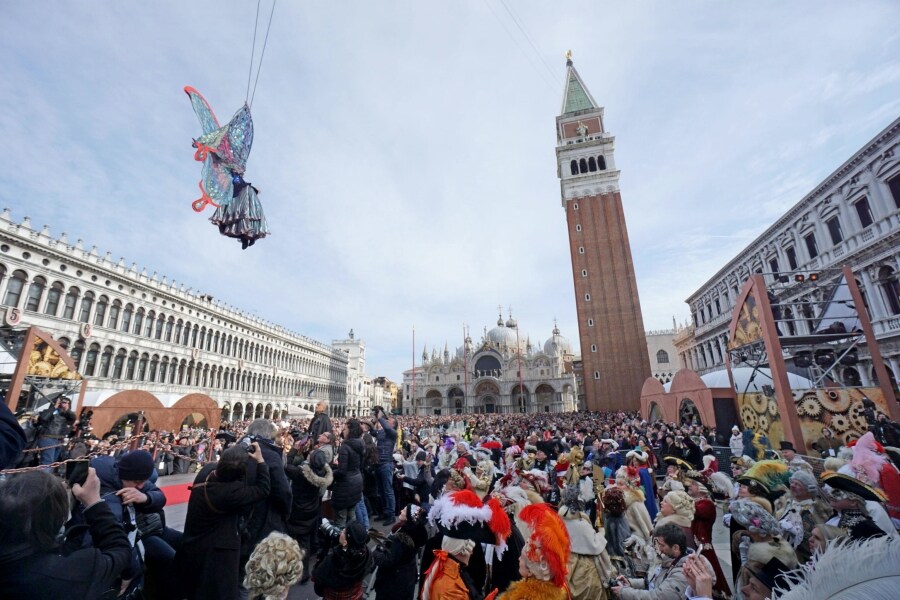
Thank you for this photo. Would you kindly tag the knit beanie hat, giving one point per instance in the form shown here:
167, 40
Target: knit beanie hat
357, 536
136, 465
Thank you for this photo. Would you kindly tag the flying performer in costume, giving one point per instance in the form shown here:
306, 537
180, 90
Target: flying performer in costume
224, 151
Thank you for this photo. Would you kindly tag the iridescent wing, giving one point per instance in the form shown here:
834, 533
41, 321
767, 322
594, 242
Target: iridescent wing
240, 137
215, 182
202, 109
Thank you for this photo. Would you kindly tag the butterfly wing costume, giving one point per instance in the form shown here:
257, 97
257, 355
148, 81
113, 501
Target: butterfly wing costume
224, 150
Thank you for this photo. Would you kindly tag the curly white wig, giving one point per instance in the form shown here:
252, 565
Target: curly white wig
275, 565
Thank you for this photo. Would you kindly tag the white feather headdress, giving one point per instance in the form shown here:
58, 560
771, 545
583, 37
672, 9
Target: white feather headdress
847, 570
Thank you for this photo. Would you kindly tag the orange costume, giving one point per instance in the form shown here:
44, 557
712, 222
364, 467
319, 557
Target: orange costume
531, 589
448, 583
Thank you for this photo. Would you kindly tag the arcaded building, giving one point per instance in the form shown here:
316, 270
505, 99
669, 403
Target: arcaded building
850, 218
144, 343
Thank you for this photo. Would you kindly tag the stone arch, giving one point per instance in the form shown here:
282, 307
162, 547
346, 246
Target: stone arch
520, 397
687, 410
544, 397
434, 399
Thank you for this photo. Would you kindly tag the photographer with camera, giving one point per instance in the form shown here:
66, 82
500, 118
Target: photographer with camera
346, 492
310, 477
209, 560
395, 556
385, 441
339, 576
271, 513
33, 508
56, 424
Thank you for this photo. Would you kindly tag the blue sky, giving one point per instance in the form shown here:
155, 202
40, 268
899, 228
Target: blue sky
405, 150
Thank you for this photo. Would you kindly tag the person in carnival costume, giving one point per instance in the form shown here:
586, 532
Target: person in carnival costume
870, 464
702, 527
544, 559
466, 523
589, 565
224, 150
638, 460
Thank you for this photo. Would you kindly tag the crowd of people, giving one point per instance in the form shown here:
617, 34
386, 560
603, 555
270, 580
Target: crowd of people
577, 505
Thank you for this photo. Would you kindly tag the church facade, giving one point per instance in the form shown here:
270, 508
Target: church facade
502, 373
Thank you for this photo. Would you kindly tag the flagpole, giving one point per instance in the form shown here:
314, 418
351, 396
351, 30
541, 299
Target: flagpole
413, 397
465, 370
519, 348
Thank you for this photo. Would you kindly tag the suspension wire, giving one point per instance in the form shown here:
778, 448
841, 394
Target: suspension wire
515, 40
252, 51
263, 53
518, 23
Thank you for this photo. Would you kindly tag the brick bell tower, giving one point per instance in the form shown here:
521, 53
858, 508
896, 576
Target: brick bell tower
610, 326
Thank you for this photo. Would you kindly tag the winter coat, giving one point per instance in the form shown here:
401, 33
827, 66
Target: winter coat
270, 514
86, 574
307, 488
341, 569
736, 443
208, 562
56, 423
397, 573
385, 441
12, 437
108, 474
421, 483
321, 423
346, 492
667, 582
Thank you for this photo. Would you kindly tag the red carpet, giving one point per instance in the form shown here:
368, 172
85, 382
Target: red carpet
176, 494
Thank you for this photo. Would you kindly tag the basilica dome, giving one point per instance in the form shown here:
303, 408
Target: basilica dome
502, 335
557, 344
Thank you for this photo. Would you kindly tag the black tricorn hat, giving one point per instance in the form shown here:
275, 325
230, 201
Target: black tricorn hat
786, 445
772, 574
477, 532
678, 462
854, 486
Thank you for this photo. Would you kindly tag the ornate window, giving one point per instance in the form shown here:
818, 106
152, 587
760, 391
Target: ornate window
126, 318
662, 357
86, 304
53, 297
100, 311
14, 289
890, 289
71, 302
35, 291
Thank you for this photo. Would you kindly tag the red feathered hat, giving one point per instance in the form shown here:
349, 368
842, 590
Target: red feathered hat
463, 514
549, 540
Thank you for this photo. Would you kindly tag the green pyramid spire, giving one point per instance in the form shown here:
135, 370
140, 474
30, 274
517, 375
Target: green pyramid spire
575, 97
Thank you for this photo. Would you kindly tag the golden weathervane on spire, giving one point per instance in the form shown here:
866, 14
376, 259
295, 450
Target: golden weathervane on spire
568, 55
